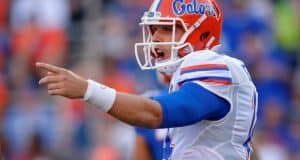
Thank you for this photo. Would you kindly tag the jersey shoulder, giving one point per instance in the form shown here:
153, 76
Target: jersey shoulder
201, 57
205, 66
238, 70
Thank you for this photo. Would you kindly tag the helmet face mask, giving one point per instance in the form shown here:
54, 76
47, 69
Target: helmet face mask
146, 53
197, 18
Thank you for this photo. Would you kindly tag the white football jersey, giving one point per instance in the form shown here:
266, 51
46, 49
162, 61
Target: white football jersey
228, 138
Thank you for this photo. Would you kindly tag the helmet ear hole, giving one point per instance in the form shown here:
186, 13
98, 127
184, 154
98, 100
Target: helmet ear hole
204, 36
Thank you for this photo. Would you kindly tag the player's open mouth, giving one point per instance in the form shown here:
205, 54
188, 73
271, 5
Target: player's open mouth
159, 54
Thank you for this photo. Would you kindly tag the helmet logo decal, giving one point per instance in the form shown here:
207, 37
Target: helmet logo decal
180, 8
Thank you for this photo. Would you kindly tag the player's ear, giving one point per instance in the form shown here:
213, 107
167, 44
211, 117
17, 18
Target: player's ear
204, 36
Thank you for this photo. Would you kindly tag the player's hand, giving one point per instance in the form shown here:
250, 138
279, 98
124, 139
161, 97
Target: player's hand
62, 82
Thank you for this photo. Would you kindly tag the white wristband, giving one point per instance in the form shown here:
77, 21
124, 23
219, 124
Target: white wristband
101, 96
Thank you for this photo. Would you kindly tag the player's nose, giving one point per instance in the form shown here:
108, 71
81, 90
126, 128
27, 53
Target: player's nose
156, 36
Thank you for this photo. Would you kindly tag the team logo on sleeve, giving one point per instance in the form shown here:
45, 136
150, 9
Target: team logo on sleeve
180, 8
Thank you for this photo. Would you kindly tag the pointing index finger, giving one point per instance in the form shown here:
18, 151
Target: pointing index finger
49, 67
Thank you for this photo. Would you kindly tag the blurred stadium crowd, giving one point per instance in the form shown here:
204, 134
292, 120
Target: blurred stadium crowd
95, 38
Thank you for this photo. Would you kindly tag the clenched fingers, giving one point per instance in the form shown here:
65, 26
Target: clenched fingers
62, 82
56, 92
52, 79
50, 73
54, 86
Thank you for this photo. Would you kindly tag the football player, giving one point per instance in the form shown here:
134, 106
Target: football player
211, 107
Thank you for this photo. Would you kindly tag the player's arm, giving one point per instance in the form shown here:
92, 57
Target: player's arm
132, 109
189, 105
137, 110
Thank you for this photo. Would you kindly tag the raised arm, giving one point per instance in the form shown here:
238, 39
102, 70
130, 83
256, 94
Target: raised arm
132, 109
190, 104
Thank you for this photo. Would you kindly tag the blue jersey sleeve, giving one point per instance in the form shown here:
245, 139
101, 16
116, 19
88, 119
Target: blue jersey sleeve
190, 104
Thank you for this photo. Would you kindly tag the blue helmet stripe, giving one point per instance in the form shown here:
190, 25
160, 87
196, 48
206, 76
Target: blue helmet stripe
157, 7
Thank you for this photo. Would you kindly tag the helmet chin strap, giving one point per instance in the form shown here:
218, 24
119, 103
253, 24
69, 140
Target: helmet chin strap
210, 42
169, 69
184, 49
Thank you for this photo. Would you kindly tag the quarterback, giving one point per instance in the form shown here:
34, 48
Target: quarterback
210, 110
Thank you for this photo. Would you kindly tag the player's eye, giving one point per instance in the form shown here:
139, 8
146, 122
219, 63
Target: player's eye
167, 28
153, 28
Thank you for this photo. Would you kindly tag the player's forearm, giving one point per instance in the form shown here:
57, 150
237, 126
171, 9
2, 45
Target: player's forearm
137, 110
132, 109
